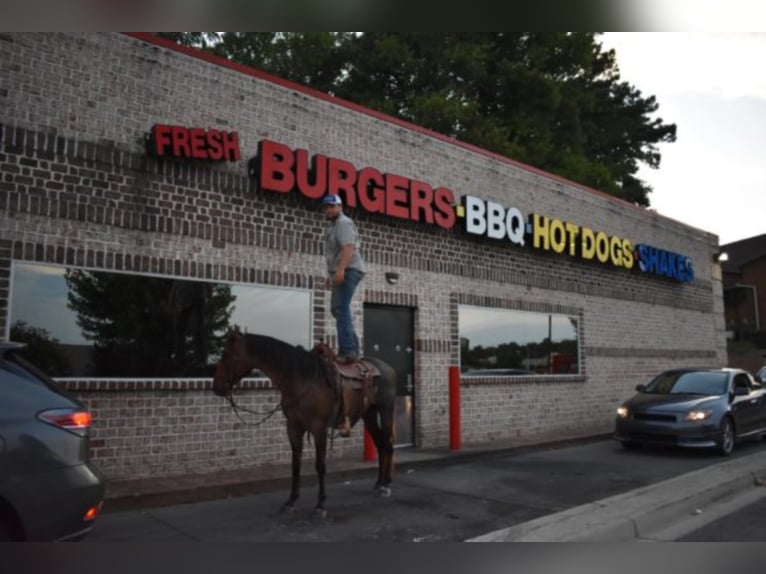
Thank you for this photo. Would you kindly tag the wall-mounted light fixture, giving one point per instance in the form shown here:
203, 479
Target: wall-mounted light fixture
392, 278
720, 256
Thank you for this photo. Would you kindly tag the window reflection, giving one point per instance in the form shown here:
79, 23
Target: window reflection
86, 323
502, 342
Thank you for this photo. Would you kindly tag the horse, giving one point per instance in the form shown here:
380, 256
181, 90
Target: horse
310, 385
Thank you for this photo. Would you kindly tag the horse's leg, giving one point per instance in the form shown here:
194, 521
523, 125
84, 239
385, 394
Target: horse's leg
295, 435
320, 442
387, 448
372, 426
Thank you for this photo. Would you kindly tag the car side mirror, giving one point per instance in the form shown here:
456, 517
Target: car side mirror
741, 391
640, 388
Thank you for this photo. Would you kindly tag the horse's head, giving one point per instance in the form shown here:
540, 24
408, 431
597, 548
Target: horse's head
233, 365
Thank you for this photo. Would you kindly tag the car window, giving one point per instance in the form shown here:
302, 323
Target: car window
742, 381
13, 363
684, 382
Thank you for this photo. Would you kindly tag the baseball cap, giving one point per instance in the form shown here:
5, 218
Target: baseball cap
332, 200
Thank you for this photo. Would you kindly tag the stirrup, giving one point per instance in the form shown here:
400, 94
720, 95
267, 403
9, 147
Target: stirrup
344, 429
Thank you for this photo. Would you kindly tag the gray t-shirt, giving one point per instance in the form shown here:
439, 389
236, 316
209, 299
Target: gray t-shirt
342, 232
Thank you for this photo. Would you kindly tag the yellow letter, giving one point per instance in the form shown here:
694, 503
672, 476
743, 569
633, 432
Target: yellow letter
541, 231
588, 243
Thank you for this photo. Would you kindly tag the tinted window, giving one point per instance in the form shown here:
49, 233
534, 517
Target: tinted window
518, 342
86, 323
697, 383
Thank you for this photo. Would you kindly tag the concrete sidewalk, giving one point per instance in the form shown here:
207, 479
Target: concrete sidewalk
665, 510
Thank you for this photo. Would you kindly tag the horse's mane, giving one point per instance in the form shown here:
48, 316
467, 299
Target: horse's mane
293, 361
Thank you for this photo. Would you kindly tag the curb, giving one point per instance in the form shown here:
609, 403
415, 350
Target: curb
639, 513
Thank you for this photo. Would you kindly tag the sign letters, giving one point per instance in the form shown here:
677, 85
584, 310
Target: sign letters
195, 143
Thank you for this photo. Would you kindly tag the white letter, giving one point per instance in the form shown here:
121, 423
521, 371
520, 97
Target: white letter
474, 215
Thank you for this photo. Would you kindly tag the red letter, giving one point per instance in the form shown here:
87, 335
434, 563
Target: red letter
274, 171
445, 213
396, 196
318, 172
197, 138
231, 146
342, 177
421, 199
161, 137
370, 189
214, 147
180, 142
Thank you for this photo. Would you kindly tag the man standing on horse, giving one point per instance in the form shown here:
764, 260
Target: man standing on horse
345, 270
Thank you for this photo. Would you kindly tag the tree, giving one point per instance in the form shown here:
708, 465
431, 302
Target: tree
149, 326
553, 100
42, 349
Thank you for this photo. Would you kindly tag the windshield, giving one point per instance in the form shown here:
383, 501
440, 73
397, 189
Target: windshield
694, 383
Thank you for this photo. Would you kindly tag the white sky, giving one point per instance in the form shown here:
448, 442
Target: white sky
712, 85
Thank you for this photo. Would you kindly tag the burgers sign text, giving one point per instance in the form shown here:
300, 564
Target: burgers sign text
278, 168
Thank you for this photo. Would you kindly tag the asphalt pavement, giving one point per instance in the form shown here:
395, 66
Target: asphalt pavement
589, 490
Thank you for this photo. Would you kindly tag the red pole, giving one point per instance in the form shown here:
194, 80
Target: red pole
454, 408
370, 452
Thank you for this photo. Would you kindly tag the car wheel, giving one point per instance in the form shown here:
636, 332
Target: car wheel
630, 445
726, 442
5, 529
10, 530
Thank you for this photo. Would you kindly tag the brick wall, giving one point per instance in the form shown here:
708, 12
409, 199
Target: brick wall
77, 189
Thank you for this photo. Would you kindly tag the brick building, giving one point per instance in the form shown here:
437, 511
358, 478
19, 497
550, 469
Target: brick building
744, 286
143, 180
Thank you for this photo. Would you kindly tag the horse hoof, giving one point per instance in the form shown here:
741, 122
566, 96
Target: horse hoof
384, 491
287, 508
320, 513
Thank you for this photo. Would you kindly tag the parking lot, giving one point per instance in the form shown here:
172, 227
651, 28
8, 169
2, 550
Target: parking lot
444, 500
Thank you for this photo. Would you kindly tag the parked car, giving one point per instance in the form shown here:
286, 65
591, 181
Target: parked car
49, 490
760, 375
701, 408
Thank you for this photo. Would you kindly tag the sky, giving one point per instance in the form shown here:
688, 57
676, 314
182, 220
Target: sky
712, 85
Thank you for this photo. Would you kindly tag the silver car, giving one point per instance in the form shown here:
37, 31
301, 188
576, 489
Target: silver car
49, 490
699, 408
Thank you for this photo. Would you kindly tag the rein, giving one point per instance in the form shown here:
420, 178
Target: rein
237, 408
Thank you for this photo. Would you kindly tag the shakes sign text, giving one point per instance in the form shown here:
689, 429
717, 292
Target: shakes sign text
281, 169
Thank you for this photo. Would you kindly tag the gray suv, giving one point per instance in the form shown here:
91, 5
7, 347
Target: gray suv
49, 490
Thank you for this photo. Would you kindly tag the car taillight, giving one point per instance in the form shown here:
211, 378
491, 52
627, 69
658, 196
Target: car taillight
76, 421
92, 512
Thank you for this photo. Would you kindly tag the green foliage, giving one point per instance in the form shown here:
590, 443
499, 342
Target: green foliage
149, 326
553, 100
42, 349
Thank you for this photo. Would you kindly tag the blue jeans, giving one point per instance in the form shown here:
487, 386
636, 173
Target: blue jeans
340, 307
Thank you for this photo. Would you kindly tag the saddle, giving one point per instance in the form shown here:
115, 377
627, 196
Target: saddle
357, 375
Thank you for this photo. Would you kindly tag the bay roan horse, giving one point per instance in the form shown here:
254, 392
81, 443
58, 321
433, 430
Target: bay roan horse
310, 400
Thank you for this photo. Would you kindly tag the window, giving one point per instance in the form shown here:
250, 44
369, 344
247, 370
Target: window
86, 323
508, 342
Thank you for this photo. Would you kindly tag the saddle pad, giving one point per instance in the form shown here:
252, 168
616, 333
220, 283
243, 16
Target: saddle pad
358, 370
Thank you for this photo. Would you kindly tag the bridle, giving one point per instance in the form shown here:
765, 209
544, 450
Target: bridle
231, 364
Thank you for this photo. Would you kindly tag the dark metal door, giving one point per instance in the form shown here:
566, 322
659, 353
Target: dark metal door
389, 335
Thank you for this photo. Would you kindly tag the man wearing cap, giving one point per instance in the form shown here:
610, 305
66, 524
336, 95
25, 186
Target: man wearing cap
345, 270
